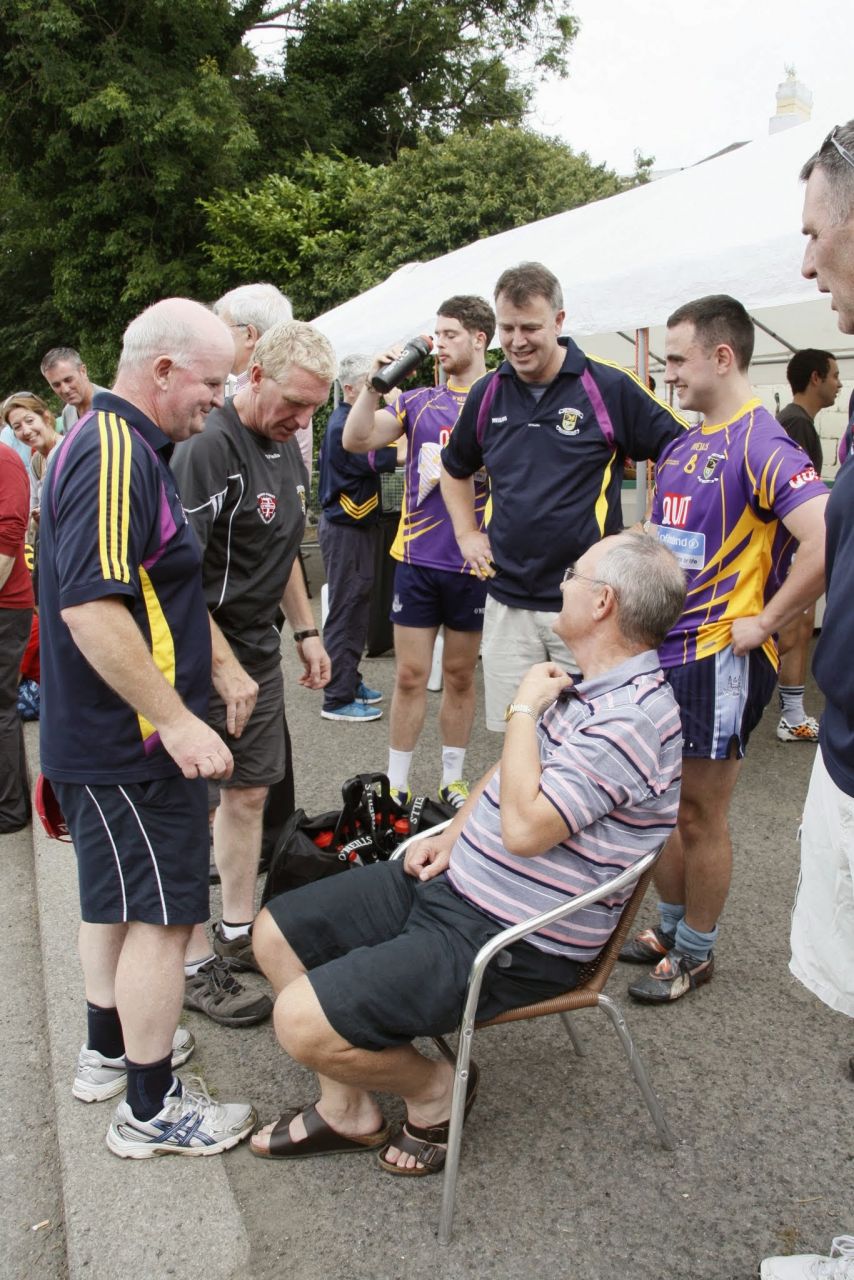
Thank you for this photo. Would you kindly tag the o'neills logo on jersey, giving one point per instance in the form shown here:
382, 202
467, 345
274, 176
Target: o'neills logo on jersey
267, 506
674, 510
569, 420
802, 478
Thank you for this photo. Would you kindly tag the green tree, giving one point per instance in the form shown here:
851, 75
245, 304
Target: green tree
367, 77
117, 117
337, 226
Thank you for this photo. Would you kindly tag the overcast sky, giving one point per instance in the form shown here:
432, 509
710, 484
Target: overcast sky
679, 79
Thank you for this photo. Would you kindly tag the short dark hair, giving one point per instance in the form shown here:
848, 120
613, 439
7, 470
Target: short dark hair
529, 280
838, 171
56, 354
717, 319
804, 364
474, 313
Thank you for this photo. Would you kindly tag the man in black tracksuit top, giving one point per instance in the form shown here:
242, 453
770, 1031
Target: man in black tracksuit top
350, 496
244, 492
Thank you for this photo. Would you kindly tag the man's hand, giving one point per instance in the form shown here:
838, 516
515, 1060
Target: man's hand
542, 684
475, 548
747, 634
317, 669
426, 858
238, 691
196, 749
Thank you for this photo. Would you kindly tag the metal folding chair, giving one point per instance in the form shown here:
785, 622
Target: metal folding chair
588, 994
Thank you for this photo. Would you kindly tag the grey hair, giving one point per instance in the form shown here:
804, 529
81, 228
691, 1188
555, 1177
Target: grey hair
57, 354
164, 330
294, 344
261, 305
353, 367
838, 171
648, 583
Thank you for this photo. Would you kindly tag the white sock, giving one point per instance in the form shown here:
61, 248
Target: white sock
193, 966
453, 760
399, 763
232, 931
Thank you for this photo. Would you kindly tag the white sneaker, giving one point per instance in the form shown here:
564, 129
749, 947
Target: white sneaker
814, 1266
99, 1078
807, 731
189, 1124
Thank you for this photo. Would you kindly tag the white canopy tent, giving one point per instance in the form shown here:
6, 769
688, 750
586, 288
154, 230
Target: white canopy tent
729, 225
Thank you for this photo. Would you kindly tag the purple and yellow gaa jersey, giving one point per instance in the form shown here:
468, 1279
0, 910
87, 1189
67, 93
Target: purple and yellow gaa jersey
720, 494
425, 535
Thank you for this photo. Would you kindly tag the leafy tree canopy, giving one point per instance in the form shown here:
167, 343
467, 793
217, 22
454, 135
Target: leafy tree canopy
367, 77
337, 226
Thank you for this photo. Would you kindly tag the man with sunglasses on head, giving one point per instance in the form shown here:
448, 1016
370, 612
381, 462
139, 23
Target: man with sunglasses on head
822, 937
730, 493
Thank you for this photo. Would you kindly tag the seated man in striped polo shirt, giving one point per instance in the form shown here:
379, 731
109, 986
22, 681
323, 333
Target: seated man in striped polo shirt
588, 783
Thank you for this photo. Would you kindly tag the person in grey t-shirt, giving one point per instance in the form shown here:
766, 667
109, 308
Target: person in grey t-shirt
67, 376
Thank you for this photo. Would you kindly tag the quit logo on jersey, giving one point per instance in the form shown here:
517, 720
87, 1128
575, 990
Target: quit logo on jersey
267, 505
569, 422
803, 477
674, 510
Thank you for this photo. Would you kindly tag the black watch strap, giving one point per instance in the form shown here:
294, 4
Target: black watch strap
299, 636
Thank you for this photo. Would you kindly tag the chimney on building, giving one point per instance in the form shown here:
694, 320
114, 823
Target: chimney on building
794, 103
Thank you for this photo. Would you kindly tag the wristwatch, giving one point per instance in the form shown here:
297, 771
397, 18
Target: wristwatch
514, 707
299, 636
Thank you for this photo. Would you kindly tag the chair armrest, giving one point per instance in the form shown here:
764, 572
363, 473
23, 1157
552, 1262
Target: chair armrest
420, 835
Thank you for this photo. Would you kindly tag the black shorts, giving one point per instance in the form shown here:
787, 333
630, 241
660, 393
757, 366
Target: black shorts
389, 956
425, 597
143, 849
721, 701
259, 752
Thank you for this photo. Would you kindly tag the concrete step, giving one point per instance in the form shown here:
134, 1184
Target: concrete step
171, 1217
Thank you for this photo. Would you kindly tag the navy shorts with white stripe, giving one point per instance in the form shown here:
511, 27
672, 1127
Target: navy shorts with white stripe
143, 849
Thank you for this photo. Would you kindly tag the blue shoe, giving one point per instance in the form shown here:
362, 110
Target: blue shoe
353, 711
364, 694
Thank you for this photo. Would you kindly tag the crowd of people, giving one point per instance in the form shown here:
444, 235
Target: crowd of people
626, 670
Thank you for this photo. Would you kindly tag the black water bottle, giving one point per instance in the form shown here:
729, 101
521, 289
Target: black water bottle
391, 375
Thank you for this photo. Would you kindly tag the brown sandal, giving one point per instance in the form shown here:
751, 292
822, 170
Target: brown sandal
421, 1141
320, 1140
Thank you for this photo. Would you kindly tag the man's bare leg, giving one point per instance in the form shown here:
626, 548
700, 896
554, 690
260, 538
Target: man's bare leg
706, 848
413, 649
346, 1074
237, 828
149, 985
459, 659
100, 946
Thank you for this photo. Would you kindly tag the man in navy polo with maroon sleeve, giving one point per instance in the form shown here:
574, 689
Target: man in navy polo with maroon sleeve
553, 427
126, 667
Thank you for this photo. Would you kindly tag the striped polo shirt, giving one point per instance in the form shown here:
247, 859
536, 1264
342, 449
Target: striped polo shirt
611, 758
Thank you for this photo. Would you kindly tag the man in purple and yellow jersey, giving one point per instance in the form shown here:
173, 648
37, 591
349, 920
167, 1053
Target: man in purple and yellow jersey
553, 428
433, 585
723, 490
363, 963
126, 668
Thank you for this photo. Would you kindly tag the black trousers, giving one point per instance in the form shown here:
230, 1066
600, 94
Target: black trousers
15, 809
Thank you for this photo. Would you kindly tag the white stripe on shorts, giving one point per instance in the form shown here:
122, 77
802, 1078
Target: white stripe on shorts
732, 686
151, 854
115, 854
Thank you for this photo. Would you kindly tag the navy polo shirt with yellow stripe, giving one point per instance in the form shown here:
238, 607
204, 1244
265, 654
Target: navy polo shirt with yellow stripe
112, 525
555, 465
349, 483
